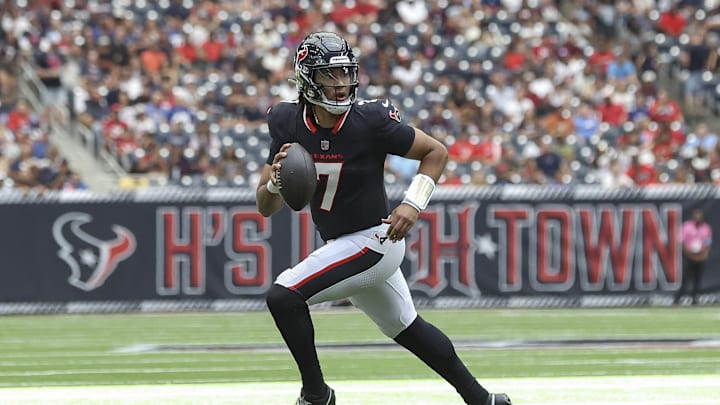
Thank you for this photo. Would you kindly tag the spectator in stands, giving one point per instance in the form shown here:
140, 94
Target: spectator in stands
558, 123
615, 177
663, 147
212, 50
20, 116
149, 158
453, 53
664, 109
701, 137
154, 57
91, 107
622, 69
441, 122
124, 146
586, 122
412, 12
114, 128
478, 178
489, 148
647, 60
8, 147
450, 176
515, 59
642, 170
672, 21
49, 63
464, 148
602, 56
696, 59
548, 162
625, 95
408, 70
73, 182
611, 112
230, 167
403, 169
700, 167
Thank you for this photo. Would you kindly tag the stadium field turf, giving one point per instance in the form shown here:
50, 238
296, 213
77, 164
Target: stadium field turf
639, 355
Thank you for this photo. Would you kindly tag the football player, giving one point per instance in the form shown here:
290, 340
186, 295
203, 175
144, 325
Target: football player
349, 140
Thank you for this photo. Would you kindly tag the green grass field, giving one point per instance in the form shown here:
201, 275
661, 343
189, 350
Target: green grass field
541, 356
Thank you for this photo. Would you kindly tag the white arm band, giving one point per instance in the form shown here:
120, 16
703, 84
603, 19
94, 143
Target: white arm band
419, 193
271, 187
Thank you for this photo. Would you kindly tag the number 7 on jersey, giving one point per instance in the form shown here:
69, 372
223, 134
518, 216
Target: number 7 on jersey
332, 171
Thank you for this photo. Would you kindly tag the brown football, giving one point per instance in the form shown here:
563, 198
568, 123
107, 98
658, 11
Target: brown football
298, 178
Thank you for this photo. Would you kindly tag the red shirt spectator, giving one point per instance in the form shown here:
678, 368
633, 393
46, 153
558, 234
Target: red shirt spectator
514, 60
642, 174
114, 127
19, 117
664, 149
463, 150
212, 48
126, 143
666, 134
612, 113
488, 151
187, 51
672, 22
153, 58
601, 58
664, 109
516, 55
362, 8
545, 49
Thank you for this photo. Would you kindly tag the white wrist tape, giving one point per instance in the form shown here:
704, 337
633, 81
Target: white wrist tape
420, 190
272, 188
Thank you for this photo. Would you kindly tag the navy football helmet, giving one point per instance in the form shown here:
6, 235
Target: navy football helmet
322, 53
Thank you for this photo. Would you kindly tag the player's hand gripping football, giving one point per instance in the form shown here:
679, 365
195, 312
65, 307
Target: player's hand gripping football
275, 175
401, 220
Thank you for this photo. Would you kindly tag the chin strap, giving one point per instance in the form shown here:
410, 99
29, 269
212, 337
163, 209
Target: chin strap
419, 193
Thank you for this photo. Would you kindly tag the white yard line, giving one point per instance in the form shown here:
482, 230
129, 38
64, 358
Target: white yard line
636, 390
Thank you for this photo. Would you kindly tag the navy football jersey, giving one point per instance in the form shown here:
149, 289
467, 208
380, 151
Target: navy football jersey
349, 159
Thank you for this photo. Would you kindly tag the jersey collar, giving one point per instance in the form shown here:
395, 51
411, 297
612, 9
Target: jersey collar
310, 123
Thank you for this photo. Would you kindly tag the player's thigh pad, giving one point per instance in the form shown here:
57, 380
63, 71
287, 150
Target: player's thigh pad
344, 266
388, 304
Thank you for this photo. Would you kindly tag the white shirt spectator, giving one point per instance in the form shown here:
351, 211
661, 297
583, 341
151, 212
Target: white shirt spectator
134, 86
512, 6
504, 98
541, 87
615, 177
531, 150
141, 123
408, 73
412, 12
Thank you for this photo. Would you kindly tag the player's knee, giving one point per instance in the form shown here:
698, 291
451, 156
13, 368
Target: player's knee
282, 299
395, 327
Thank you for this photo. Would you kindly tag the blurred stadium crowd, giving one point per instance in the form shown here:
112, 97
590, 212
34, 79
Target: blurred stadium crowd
618, 93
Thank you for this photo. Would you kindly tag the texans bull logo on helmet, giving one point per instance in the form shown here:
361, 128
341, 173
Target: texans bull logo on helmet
91, 259
302, 54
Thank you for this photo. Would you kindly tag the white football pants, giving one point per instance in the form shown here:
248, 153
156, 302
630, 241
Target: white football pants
363, 266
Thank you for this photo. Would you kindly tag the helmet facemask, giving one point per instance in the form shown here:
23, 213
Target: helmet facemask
325, 61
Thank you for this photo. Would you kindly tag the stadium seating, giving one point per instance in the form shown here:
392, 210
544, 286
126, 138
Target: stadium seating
177, 90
